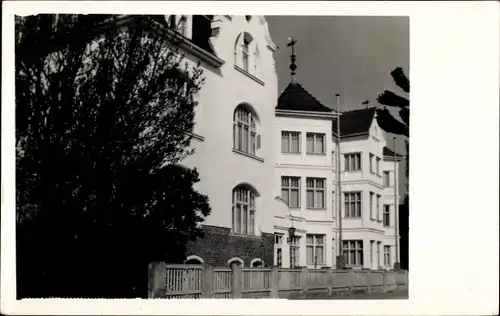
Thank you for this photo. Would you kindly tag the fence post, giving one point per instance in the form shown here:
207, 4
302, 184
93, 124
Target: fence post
350, 274
275, 279
369, 282
303, 281
329, 278
384, 281
207, 283
395, 278
157, 272
406, 278
237, 280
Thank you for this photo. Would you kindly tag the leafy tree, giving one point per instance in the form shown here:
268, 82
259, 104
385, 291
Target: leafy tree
104, 110
385, 119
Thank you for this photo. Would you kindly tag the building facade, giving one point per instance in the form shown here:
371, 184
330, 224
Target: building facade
233, 135
268, 163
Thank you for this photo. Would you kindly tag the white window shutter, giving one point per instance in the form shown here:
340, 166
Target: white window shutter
258, 141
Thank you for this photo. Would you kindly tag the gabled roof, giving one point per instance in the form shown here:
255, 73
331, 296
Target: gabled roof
389, 153
355, 122
296, 98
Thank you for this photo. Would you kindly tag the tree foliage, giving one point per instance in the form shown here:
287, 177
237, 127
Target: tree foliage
386, 120
104, 111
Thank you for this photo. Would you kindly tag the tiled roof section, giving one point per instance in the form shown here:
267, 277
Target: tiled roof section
355, 122
296, 98
390, 153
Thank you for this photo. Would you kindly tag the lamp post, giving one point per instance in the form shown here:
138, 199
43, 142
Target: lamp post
340, 257
291, 230
396, 210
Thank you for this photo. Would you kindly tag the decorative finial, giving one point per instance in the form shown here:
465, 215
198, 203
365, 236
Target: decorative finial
292, 57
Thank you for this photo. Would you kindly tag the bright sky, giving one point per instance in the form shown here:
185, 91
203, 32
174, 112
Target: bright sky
349, 55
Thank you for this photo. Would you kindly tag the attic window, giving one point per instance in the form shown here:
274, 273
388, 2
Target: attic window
248, 17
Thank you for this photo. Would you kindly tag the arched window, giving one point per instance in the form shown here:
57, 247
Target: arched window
244, 209
245, 124
235, 260
257, 262
244, 49
193, 260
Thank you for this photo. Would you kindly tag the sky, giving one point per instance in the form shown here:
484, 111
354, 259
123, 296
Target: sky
349, 55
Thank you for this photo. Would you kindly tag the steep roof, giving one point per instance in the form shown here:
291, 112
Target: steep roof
354, 122
296, 98
390, 153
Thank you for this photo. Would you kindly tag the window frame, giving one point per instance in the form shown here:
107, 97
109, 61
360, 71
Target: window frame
358, 252
251, 209
387, 255
314, 150
316, 189
378, 197
295, 251
289, 188
347, 210
289, 134
372, 194
246, 128
387, 181
347, 165
378, 161
371, 156
314, 246
387, 213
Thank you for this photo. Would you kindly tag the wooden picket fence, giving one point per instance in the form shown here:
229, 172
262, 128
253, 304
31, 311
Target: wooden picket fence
173, 281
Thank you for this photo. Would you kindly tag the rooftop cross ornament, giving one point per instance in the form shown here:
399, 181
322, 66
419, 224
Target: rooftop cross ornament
292, 57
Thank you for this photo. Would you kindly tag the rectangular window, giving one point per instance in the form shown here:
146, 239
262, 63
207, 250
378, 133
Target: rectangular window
378, 207
371, 252
378, 166
290, 191
352, 162
353, 252
352, 204
334, 209
290, 142
378, 253
315, 192
387, 256
279, 257
371, 163
387, 182
315, 249
333, 252
387, 215
371, 205
278, 239
315, 143
295, 252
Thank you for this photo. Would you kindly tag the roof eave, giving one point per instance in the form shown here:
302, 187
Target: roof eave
305, 113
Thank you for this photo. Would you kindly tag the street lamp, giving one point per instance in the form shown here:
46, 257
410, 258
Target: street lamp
291, 230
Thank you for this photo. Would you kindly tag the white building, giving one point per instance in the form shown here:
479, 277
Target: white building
306, 175
253, 147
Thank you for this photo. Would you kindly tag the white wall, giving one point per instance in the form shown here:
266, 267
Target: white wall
220, 168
